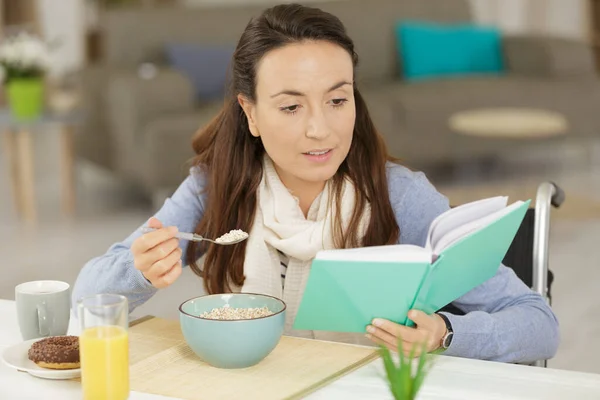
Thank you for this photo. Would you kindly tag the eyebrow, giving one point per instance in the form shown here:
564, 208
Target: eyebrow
296, 93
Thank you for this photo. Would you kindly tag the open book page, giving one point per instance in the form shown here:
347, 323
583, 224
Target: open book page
397, 252
462, 215
472, 260
464, 230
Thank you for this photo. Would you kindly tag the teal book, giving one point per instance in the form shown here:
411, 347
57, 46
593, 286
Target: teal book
465, 246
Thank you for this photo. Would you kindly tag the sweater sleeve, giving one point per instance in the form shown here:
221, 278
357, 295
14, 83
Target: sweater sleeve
504, 319
114, 272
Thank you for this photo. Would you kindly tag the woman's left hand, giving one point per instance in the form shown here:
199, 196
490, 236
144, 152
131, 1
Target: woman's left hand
428, 329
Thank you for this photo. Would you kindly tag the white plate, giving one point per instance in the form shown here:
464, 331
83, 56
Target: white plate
16, 357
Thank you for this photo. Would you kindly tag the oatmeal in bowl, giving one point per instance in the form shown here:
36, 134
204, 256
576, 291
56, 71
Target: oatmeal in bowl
233, 330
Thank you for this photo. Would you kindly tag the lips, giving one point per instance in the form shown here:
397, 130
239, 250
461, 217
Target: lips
319, 155
318, 152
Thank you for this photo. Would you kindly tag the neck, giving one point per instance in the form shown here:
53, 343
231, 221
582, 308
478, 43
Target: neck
305, 191
307, 196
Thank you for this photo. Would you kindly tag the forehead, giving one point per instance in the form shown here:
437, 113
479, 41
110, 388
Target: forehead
304, 66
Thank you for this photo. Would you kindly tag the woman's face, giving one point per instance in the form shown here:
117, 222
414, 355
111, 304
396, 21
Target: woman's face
304, 111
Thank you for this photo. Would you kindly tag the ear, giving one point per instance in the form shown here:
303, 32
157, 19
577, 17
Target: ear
250, 111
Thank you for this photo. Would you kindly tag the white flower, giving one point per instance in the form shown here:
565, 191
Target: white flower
33, 54
9, 53
25, 52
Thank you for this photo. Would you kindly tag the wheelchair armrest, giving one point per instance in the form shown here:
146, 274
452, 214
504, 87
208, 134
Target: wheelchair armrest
549, 194
558, 197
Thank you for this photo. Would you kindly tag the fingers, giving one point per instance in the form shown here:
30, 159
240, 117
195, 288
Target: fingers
381, 342
406, 347
390, 333
422, 320
154, 223
383, 336
170, 277
164, 265
147, 259
161, 273
408, 334
150, 240
157, 254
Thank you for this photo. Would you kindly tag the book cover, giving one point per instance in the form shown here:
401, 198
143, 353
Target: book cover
346, 289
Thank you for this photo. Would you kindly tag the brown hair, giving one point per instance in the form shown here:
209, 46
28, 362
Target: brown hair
232, 158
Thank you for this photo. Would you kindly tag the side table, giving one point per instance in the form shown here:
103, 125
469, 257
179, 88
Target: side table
504, 126
509, 123
19, 153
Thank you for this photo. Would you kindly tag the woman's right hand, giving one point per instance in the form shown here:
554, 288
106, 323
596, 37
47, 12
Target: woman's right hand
157, 254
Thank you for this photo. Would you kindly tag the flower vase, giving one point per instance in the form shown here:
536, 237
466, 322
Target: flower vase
26, 98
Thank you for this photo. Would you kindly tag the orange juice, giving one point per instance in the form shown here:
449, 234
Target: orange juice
104, 363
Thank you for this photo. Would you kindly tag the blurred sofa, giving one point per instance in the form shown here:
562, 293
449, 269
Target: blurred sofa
140, 121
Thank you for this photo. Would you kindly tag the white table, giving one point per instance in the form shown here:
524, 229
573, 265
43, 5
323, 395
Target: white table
450, 379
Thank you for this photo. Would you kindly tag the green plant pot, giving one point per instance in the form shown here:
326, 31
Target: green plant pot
26, 98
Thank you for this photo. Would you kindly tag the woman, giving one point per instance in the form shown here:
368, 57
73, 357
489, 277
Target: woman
293, 158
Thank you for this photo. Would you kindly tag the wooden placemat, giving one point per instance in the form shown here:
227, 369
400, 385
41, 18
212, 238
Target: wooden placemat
162, 363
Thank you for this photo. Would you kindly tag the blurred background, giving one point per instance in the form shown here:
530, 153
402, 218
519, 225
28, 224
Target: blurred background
487, 97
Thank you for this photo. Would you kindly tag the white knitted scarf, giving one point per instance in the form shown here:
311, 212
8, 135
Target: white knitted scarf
280, 224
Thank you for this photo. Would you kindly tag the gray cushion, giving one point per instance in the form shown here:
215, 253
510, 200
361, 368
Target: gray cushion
205, 65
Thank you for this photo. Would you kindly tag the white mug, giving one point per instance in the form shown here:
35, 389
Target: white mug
43, 308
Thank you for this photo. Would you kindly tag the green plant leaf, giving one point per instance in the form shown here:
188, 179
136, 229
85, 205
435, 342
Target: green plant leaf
400, 350
403, 379
422, 370
408, 373
403, 375
388, 362
394, 383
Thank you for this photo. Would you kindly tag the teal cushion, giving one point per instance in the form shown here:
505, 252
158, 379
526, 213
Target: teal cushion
429, 50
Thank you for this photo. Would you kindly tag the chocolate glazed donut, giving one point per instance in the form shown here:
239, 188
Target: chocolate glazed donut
57, 352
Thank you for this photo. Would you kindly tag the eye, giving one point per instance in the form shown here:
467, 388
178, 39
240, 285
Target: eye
338, 102
290, 109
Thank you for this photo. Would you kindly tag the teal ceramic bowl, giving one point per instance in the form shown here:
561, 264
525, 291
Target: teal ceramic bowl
232, 343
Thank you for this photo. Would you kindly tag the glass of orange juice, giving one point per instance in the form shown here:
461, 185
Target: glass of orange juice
104, 347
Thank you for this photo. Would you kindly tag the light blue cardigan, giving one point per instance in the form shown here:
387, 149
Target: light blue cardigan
504, 321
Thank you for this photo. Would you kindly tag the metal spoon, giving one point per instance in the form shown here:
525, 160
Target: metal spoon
193, 237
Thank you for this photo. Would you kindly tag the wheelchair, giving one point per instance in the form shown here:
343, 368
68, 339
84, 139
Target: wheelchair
528, 252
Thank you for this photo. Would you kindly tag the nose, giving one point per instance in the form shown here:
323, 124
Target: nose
317, 127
